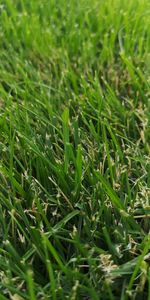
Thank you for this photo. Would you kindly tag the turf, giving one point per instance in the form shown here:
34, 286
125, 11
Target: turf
75, 152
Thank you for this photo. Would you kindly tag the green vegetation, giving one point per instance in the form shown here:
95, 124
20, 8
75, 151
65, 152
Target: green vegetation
75, 152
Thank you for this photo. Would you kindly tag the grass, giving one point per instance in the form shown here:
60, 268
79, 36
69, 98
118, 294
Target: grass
75, 152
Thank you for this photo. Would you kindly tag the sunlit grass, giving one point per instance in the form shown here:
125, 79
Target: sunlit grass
75, 165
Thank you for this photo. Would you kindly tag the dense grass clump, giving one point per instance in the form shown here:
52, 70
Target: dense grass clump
75, 151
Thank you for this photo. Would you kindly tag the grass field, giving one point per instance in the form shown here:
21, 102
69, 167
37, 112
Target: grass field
75, 149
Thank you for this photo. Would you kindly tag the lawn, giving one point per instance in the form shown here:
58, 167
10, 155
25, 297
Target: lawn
75, 149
